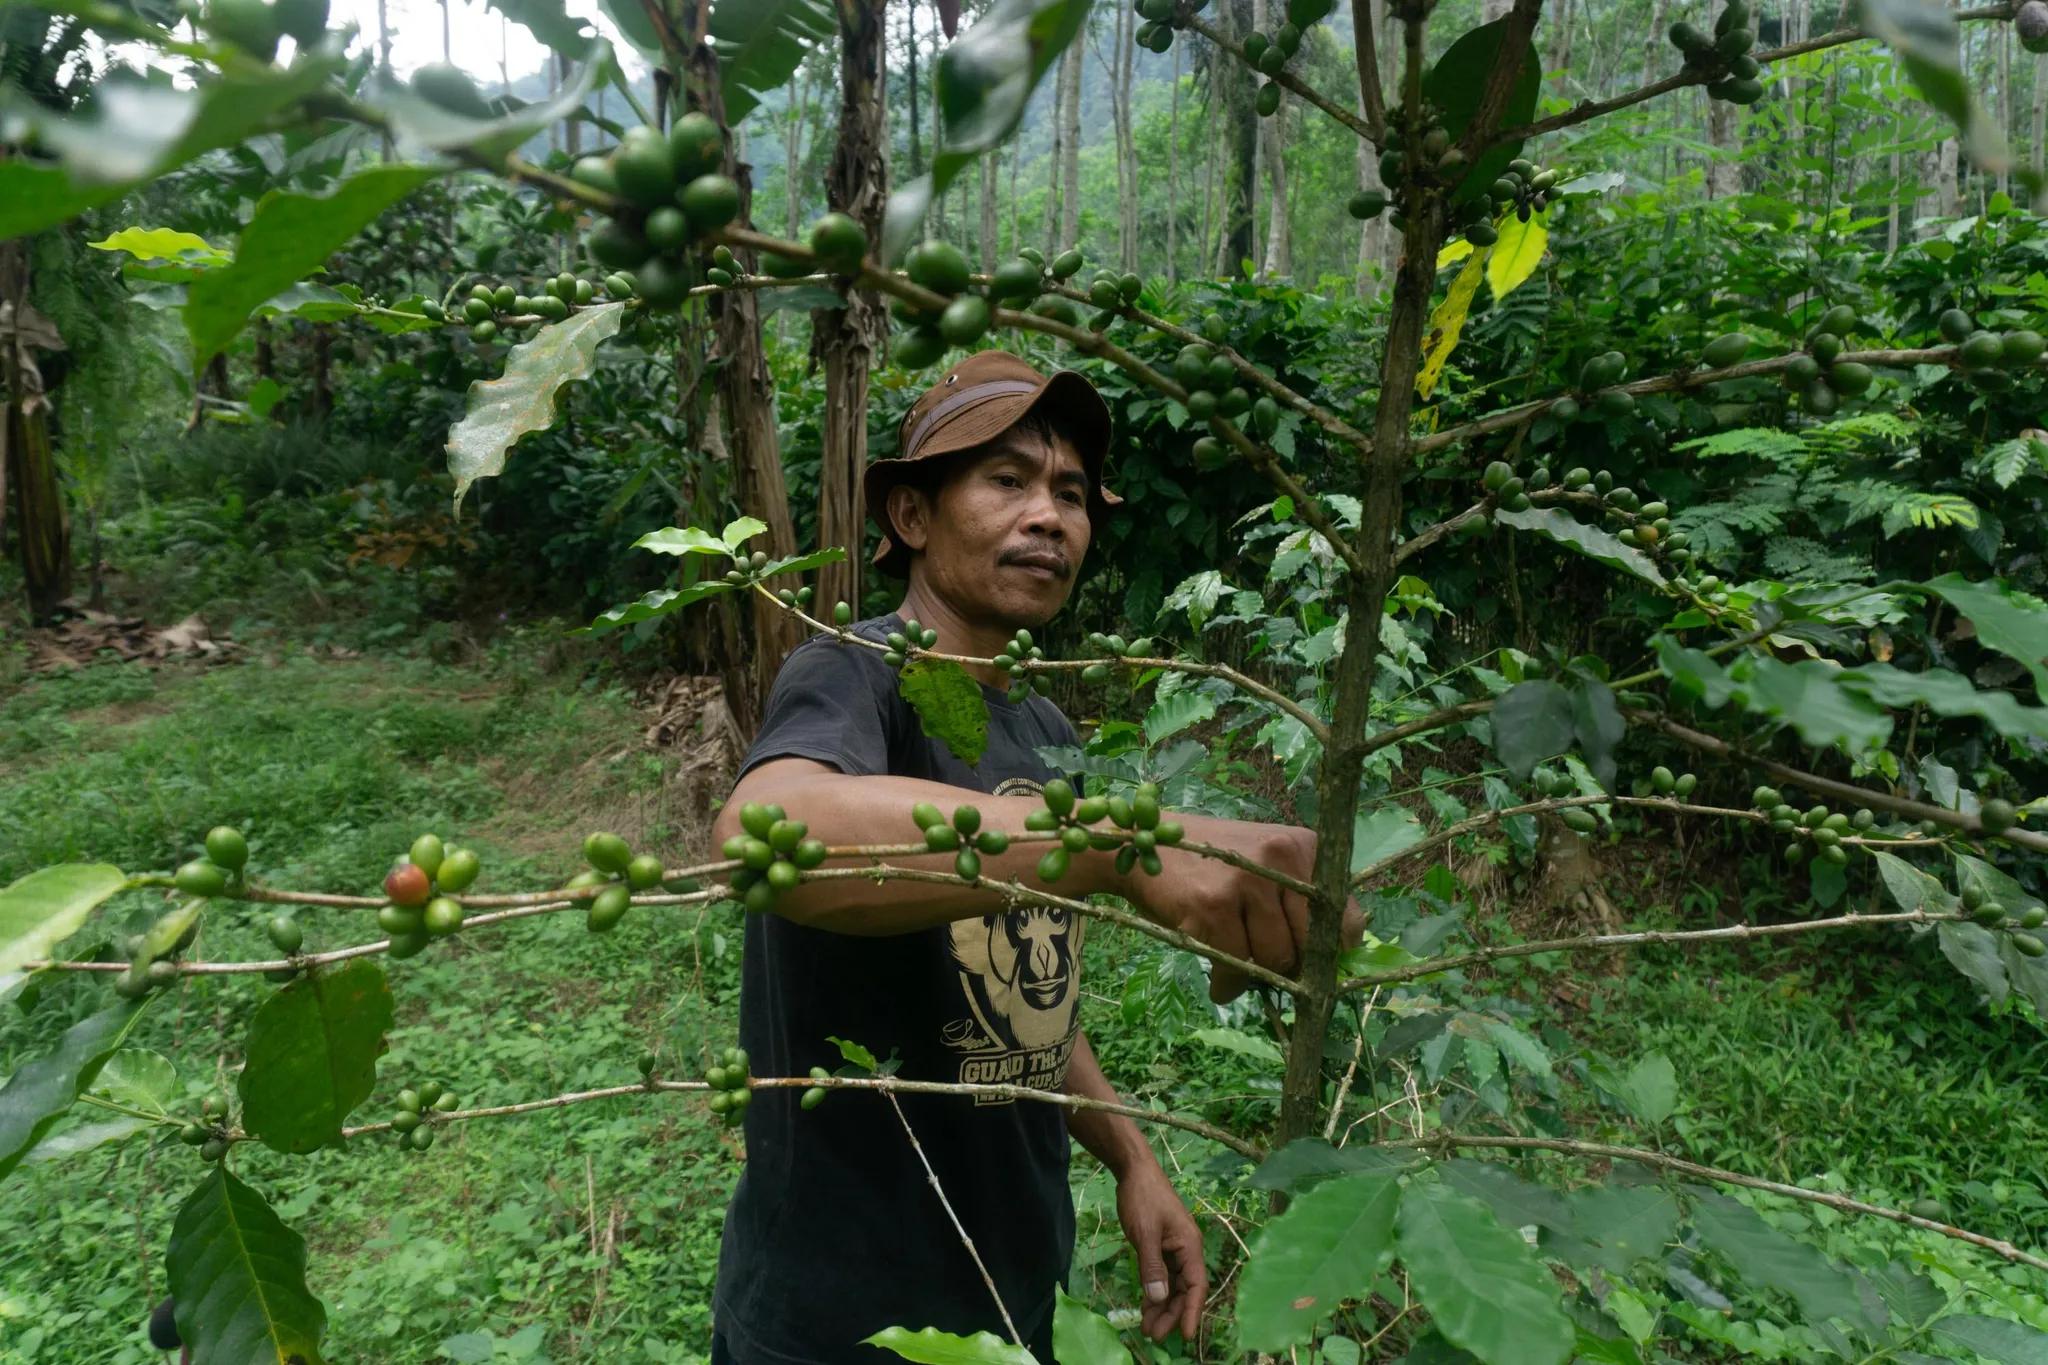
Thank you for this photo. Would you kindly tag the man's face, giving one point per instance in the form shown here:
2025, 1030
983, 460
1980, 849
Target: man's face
1004, 535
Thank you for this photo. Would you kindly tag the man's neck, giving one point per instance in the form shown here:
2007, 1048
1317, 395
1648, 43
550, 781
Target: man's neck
958, 634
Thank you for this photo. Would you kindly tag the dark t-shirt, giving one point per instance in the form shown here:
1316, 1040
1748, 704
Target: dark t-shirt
834, 1231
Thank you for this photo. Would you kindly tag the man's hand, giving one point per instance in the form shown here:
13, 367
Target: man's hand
1234, 911
1168, 1243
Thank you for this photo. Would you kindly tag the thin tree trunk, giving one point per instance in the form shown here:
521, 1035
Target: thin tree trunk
1056, 159
1016, 156
1561, 54
986, 203
1127, 144
1070, 147
2004, 41
447, 44
28, 463
848, 340
1277, 261
910, 69
2040, 123
1173, 195
384, 65
1212, 146
1724, 170
746, 392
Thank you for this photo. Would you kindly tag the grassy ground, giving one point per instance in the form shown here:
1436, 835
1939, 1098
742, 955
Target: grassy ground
596, 1225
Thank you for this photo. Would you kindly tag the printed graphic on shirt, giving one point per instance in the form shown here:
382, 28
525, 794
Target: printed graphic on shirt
1020, 976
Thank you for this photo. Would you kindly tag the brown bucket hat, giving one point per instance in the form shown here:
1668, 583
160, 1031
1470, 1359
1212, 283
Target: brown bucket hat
973, 403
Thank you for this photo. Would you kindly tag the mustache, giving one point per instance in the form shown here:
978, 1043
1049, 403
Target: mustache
1065, 566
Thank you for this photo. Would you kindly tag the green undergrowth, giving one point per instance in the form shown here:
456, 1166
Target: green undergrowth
583, 1232
1868, 1060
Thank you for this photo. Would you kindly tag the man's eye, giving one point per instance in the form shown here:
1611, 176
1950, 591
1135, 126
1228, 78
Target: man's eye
1007, 480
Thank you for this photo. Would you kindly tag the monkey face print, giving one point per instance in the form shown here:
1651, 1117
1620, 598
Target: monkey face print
1020, 984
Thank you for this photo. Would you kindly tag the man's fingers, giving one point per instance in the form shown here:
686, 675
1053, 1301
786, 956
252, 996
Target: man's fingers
1354, 925
1152, 1263
1193, 1279
1265, 925
1226, 983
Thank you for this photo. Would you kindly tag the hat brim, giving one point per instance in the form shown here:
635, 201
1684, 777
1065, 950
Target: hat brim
1082, 416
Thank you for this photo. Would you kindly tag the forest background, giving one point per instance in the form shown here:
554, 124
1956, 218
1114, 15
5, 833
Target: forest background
367, 661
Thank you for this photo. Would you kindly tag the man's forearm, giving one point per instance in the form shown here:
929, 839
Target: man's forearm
1115, 1141
845, 810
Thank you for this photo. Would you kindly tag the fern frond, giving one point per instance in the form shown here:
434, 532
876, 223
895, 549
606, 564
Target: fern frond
1765, 443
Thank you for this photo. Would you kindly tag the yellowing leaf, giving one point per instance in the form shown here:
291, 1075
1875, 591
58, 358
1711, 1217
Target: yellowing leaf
1449, 320
522, 400
1457, 249
1517, 254
162, 244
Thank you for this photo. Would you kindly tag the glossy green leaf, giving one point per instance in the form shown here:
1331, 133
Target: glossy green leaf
1598, 726
1484, 1289
522, 400
1770, 1261
1172, 714
1996, 1339
238, 1278
1305, 1161
1651, 1089
421, 125
1924, 35
1082, 1336
682, 540
1516, 1202
45, 1087
660, 602
290, 236
1554, 523
949, 705
1946, 694
933, 1347
1518, 253
1458, 80
855, 1053
803, 563
1532, 721
1615, 1226
550, 22
45, 907
1330, 1245
760, 44
140, 1079
85, 1137
1382, 833
985, 80
136, 131
313, 1049
1238, 1041
2012, 622
740, 530
2027, 975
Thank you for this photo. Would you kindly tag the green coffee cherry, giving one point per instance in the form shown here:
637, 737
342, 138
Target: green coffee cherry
1058, 796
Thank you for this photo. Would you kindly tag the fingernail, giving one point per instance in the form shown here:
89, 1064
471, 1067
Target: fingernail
1155, 1290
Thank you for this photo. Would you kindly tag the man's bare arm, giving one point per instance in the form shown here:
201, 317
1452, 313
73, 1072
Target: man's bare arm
1231, 910
842, 809
1112, 1139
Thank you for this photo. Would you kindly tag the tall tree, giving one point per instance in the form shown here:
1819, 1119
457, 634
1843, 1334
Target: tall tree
1070, 145
1123, 53
1173, 194
28, 463
848, 339
1278, 260
1233, 85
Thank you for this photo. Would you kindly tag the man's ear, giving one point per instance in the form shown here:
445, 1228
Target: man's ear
910, 513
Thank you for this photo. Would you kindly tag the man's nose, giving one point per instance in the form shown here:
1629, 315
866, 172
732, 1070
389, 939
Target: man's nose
1042, 515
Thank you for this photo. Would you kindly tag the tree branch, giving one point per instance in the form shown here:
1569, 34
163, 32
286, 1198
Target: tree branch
1365, 51
947, 1204
1587, 110
1285, 80
889, 1084
1607, 1152
1668, 383
1639, 939
1825, 786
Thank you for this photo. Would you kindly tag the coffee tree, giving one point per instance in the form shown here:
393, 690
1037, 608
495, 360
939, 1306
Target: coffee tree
1733, 672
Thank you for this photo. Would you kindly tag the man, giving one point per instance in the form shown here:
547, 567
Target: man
835, 1231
